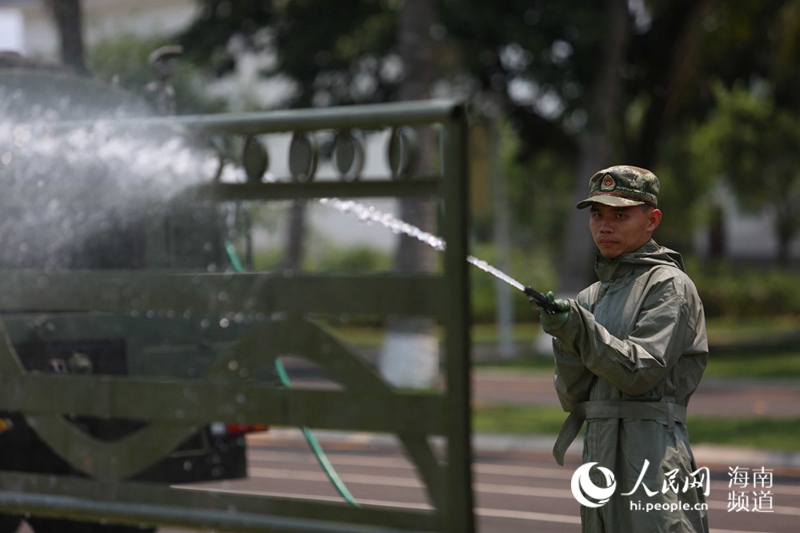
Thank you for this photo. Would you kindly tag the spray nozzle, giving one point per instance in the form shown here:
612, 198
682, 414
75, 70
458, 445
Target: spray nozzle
537, 299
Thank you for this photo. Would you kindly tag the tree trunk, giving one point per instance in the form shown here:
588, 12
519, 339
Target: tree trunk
295, 237
410, 351
68, 16
685, 26
786, 225
595, 150
504, 299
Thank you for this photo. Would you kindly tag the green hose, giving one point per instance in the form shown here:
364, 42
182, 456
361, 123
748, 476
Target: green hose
283, 377
322, 458
234, 258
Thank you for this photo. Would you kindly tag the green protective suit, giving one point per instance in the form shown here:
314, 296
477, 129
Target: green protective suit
628, 359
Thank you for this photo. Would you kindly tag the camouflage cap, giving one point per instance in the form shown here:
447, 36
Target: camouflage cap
622, 186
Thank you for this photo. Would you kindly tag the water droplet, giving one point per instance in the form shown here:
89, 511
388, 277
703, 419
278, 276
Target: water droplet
370, 214
233, 365
224, 323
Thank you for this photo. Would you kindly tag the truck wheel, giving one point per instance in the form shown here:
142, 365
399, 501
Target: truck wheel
9, 523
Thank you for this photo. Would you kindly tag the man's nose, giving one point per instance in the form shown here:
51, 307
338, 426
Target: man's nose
605, 226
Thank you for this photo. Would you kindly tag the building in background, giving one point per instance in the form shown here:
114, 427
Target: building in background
742, 239
102, 18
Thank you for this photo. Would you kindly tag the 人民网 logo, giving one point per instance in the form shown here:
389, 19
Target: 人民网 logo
586, 492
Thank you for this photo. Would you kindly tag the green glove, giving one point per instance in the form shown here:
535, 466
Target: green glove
557, 320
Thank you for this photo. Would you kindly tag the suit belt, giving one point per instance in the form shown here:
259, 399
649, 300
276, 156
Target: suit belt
599, 409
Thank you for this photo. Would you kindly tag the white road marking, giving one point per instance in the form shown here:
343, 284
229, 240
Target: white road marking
480, 511
490, 469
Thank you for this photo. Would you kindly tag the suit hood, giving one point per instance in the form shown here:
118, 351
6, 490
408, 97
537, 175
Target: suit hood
649, 254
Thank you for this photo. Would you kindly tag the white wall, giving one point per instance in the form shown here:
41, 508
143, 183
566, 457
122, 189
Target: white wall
103, 18
12, 30
749, 237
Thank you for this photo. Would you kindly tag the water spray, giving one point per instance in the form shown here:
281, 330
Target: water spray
371, 214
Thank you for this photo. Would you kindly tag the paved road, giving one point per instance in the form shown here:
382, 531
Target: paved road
518, 487
515, 493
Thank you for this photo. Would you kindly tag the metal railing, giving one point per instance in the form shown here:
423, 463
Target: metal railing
174, 408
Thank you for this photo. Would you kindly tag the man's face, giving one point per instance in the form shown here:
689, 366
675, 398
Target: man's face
619, 230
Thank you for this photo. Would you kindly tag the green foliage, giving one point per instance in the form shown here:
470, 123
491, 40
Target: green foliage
330, 258
755, 362
540, 198
755, 432
267, 260
122, 60
752, 294
685, 184
538, 192
207, 40
526, 267
335, 52
340, 53
355, 260
517, 419
753, 142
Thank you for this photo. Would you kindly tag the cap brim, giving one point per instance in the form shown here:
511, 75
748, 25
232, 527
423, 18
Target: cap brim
608, 199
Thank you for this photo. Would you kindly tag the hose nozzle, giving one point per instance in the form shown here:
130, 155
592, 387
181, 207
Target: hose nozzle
537, 299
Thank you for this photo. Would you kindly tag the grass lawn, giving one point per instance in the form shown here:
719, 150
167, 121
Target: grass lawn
766, 433
751, 349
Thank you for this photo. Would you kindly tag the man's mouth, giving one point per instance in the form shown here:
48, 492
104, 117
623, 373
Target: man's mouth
606, 243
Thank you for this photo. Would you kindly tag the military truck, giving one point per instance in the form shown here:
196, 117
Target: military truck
77, 199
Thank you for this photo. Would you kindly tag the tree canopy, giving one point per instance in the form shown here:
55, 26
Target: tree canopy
583, 84
753, 142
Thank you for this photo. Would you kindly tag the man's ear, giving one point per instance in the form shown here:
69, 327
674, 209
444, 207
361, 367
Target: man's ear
653, 219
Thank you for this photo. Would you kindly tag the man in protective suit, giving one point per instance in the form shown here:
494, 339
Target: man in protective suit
629, 353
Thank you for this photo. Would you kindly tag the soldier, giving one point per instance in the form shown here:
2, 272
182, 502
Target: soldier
629, 352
